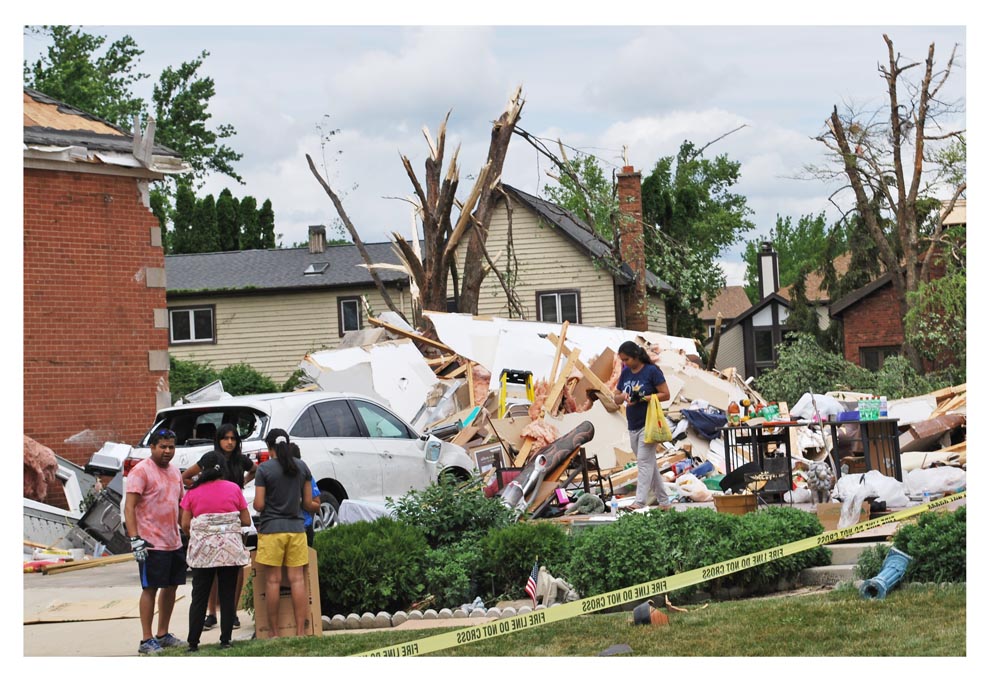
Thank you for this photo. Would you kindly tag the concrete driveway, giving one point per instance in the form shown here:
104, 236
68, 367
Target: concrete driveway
90, 589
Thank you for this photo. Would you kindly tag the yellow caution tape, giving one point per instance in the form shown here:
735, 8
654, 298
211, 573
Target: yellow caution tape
643, 591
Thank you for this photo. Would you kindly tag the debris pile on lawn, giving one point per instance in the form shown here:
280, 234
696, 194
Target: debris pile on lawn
506, 391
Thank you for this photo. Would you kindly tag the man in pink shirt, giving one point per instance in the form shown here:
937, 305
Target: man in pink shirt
151, 514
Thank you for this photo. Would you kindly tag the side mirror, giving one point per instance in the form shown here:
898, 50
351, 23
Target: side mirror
433, 451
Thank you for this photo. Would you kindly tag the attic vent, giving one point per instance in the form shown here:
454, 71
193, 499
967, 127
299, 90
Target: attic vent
316, 268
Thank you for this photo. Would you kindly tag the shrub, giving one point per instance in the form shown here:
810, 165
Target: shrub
643, 547
898, 379
936, 545
370, 566
185, 376
508, 555
297, 379
451, 573
447, 512
242, 379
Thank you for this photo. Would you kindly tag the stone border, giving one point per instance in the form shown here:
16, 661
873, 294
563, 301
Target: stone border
383, 619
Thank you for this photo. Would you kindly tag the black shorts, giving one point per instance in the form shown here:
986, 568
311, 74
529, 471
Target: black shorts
163, 568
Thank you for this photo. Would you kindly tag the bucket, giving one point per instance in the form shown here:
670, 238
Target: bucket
735, 504
646, 614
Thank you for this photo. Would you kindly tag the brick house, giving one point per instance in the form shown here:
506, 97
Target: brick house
269, 308
95, 322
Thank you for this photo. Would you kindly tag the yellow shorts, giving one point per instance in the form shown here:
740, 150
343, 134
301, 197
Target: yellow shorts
282, 549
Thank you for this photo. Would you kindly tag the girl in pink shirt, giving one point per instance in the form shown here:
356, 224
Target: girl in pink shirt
213, 511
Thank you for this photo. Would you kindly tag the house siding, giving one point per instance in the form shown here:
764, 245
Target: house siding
656, 314
874, 321
548, 261
731, 350
89, 321
272, 332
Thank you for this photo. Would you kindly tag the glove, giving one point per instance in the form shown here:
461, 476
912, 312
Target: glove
140, 548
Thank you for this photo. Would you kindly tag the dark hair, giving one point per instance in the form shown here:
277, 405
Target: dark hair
278, 440
161, 434
214, 468
224, 430
634, 350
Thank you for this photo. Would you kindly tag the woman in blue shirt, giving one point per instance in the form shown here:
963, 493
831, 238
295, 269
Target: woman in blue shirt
640, 379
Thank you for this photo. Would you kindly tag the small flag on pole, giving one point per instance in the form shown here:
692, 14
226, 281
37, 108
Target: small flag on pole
531, 581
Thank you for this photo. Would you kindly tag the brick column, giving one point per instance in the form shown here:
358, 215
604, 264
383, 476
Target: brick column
632, 246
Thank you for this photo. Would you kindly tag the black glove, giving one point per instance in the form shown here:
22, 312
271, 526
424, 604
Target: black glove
140, 548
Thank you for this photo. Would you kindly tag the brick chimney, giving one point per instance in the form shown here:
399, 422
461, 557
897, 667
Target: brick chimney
632, 247
317, 238
769, 274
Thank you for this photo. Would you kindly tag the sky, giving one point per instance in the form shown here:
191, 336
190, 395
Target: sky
599, 89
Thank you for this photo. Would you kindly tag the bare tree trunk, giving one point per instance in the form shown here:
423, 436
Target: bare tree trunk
715, 338
501, 135
357, 239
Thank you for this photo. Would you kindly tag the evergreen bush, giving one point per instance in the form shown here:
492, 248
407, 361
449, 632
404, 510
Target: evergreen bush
243, 379
451, 573
508, 555
370, 566
447, 511
936, 545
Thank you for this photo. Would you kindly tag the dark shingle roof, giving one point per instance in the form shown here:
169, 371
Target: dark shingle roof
276, 269
581, 234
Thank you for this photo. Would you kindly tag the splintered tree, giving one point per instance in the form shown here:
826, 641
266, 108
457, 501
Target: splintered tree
890, 159
433, 205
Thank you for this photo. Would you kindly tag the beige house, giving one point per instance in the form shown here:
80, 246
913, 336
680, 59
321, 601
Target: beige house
269, 308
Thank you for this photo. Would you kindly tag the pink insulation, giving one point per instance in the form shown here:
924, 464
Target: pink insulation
481, 378
40, 467
542, 433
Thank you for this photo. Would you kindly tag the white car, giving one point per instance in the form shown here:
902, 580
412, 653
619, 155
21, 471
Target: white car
355, 447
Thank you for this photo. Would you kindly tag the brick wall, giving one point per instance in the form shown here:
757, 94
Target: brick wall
88, 312
632, 247
873, 321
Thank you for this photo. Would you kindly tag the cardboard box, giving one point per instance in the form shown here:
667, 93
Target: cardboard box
286, 616
828, 514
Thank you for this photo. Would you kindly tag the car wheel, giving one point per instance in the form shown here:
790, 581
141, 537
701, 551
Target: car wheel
327, 516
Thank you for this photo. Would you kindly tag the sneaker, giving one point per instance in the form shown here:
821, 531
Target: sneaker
209, 622
150, 646
169, 640
237, 622
193, 648
225, 645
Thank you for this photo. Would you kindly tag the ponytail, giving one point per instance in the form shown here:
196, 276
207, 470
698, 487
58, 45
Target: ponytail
278, 440
634, 350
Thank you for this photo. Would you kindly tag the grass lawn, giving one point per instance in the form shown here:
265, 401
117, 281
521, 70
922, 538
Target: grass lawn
827, 623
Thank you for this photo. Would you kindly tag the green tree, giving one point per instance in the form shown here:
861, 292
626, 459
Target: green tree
182, 240
205, 237
588, 194
250, 224
77, 70
181, 101
804, 246
266, 217
228, 222
692, 216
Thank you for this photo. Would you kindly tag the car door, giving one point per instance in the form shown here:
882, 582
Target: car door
403, 463
357, 461
308, 433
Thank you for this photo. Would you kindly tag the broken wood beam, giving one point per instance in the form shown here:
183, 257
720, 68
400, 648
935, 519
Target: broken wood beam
92, 563
556, 358
605, 393
411, 335
552, 403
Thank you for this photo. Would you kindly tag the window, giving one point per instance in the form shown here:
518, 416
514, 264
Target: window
763, 344
308, 425
337, 419
379, 423
559, 306
191, 325
872, 358
348, 314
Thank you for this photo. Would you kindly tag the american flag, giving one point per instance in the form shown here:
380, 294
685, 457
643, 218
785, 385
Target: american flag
531, 581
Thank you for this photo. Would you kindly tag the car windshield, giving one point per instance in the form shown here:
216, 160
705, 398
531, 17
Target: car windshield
198, 425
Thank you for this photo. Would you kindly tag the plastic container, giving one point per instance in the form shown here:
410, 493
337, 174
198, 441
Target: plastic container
852, 416
614, 505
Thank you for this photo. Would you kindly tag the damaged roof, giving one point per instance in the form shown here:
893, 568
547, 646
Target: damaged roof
277, 269
582, 235
54, 130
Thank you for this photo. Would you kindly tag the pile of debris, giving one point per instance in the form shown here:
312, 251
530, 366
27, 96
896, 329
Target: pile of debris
507, 390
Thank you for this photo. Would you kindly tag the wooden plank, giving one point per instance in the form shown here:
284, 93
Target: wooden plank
410, 335
470, 378
605, 392
556, 358
524, 451
553, 397
457, 372
92, 563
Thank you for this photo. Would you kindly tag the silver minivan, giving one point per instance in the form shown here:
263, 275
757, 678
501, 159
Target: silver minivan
355, 447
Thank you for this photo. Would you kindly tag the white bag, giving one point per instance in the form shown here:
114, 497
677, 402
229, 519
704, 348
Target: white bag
690, 487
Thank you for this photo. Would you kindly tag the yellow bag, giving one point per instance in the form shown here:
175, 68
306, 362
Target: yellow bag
656, 429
